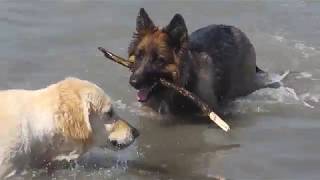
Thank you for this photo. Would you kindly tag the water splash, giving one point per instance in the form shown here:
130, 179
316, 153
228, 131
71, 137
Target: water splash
263, 100
135, 108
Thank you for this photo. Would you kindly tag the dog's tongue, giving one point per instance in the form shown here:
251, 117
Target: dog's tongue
143, 94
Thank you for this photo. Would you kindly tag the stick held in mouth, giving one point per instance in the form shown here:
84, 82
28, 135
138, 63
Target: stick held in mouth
115, 58
203, 106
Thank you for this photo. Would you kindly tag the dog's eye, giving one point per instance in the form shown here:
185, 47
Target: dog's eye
110, 112
108, 115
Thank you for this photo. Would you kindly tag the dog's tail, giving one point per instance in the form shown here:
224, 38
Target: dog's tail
258, 70
276, 83
266, 81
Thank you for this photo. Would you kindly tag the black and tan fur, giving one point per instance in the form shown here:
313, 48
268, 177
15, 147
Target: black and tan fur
217, 63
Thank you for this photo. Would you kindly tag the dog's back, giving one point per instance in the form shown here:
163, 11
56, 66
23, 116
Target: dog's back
229, 59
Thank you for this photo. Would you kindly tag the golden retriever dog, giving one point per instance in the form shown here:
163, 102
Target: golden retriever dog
66, 118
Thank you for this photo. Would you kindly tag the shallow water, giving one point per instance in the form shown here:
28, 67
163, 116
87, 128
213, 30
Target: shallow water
275, 132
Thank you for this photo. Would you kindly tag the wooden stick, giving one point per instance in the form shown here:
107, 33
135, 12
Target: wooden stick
202, 105
115, 58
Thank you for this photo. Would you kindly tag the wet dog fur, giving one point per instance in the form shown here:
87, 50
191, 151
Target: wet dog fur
64, 119
217, 63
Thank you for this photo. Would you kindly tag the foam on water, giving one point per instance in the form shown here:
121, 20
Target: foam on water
281, 95
119, 104
260, 100
306, 51
308, 97
306, 75
279, 38
135, 108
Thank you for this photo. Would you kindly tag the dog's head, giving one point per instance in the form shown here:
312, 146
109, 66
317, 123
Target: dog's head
109, 130
87, 115
156, 53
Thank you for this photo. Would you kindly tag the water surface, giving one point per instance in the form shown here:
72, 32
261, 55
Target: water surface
275, 132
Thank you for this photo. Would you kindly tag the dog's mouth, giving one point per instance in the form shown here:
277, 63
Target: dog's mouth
143, 94
116, 146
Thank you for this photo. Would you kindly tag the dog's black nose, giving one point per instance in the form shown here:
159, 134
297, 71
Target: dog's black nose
135, 132
134, 82
114, 143
137, 80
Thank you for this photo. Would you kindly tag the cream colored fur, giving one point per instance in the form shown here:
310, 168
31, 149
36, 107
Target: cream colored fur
69, 117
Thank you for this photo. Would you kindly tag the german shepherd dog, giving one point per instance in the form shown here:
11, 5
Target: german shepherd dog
217, 63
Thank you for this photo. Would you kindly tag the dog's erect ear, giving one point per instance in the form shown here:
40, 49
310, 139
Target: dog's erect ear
177, 30
144, 23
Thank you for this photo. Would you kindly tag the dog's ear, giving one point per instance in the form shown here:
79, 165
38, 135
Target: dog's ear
177, 30
87, 108
73, 115
144, 23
